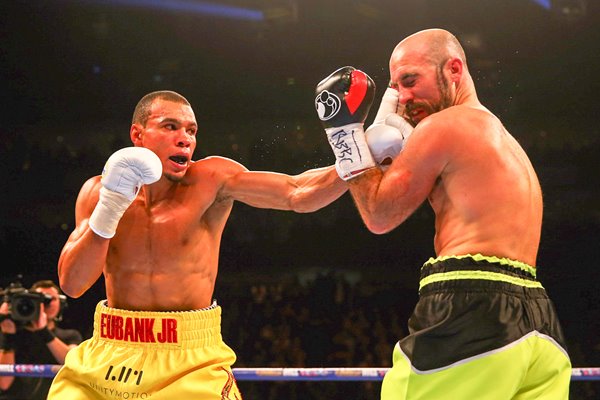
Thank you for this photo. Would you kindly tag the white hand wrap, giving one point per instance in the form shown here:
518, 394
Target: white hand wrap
108, 212
352, 155
389, 105
122, 178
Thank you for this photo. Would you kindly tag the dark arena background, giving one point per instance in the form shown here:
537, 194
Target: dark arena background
297, 290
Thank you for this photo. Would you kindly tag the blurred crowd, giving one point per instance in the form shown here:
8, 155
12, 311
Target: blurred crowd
325, 322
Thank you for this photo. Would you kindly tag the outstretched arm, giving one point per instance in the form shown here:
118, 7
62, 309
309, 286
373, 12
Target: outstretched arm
303, 193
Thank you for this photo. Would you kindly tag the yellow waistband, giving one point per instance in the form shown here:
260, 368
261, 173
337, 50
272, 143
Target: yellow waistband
176, 329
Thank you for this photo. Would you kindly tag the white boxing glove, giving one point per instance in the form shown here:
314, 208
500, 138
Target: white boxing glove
385, 142
386, 136
122, 178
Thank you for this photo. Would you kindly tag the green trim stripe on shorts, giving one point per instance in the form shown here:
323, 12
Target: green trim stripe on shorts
490, 276
510, 271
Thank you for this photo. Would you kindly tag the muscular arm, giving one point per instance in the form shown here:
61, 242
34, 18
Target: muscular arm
385, 200
82, 258
303, 193
59, 349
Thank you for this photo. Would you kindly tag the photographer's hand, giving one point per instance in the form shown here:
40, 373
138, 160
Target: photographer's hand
7, 352
42, 321
7, 326
41, 328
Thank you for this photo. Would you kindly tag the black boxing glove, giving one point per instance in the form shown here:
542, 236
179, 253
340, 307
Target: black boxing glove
343, 102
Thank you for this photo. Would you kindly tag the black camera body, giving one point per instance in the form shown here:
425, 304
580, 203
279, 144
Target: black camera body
25, 305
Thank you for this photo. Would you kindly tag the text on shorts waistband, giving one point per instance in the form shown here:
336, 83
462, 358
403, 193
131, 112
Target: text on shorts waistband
142, 329
178, 328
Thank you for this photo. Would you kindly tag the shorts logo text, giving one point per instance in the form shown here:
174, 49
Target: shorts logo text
138, 329
123, 375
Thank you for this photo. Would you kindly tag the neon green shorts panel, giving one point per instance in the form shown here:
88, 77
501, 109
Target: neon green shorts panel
150, 355
483, 328
532, 368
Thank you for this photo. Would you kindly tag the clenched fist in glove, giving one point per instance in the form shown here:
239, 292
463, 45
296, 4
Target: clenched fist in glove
389, 130
343, 101
122, 178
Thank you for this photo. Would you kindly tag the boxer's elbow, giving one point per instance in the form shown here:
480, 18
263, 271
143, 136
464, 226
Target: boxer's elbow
71, 289
377, 222
70, 286
378, 227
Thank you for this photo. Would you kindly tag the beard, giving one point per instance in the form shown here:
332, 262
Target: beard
445, 98
444, 89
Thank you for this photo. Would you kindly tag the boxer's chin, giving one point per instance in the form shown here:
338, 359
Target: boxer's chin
175, 178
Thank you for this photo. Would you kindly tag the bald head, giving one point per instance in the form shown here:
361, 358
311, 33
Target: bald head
429, 70
434, 46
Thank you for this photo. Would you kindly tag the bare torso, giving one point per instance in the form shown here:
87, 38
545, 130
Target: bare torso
487, 199
481, 185
165, 252
165, 256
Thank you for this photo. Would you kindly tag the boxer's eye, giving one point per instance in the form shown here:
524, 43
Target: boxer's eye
179, 159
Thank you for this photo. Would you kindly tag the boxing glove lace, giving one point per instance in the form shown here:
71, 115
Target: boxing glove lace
343, 100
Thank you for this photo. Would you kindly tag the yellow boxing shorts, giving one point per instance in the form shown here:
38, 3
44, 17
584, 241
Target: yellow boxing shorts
483, 328
150, 355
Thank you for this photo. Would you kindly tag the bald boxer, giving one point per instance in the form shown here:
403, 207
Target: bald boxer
152, 225
483, 327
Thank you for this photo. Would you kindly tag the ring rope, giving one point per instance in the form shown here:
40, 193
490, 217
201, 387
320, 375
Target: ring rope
277, 374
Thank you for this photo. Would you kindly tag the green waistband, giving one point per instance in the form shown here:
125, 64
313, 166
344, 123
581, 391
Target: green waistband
491, 259
504, 271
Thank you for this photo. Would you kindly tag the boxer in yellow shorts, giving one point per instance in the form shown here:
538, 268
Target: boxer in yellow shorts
151, 225
157, 355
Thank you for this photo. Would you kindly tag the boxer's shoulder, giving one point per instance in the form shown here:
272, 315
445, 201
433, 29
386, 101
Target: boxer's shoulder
213, 168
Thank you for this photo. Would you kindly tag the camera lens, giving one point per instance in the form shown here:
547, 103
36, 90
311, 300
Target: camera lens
24, 308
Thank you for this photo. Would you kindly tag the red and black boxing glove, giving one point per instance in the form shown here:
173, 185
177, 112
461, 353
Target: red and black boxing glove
343, 101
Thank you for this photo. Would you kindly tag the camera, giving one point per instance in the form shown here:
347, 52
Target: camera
25, 305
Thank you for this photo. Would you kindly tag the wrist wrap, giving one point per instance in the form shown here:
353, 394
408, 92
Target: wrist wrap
10, 341
45, 335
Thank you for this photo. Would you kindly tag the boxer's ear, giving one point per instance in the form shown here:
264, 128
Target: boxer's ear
135, 133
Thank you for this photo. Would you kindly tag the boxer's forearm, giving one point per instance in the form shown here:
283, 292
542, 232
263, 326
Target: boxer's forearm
316, 188
306, 192
81, 261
